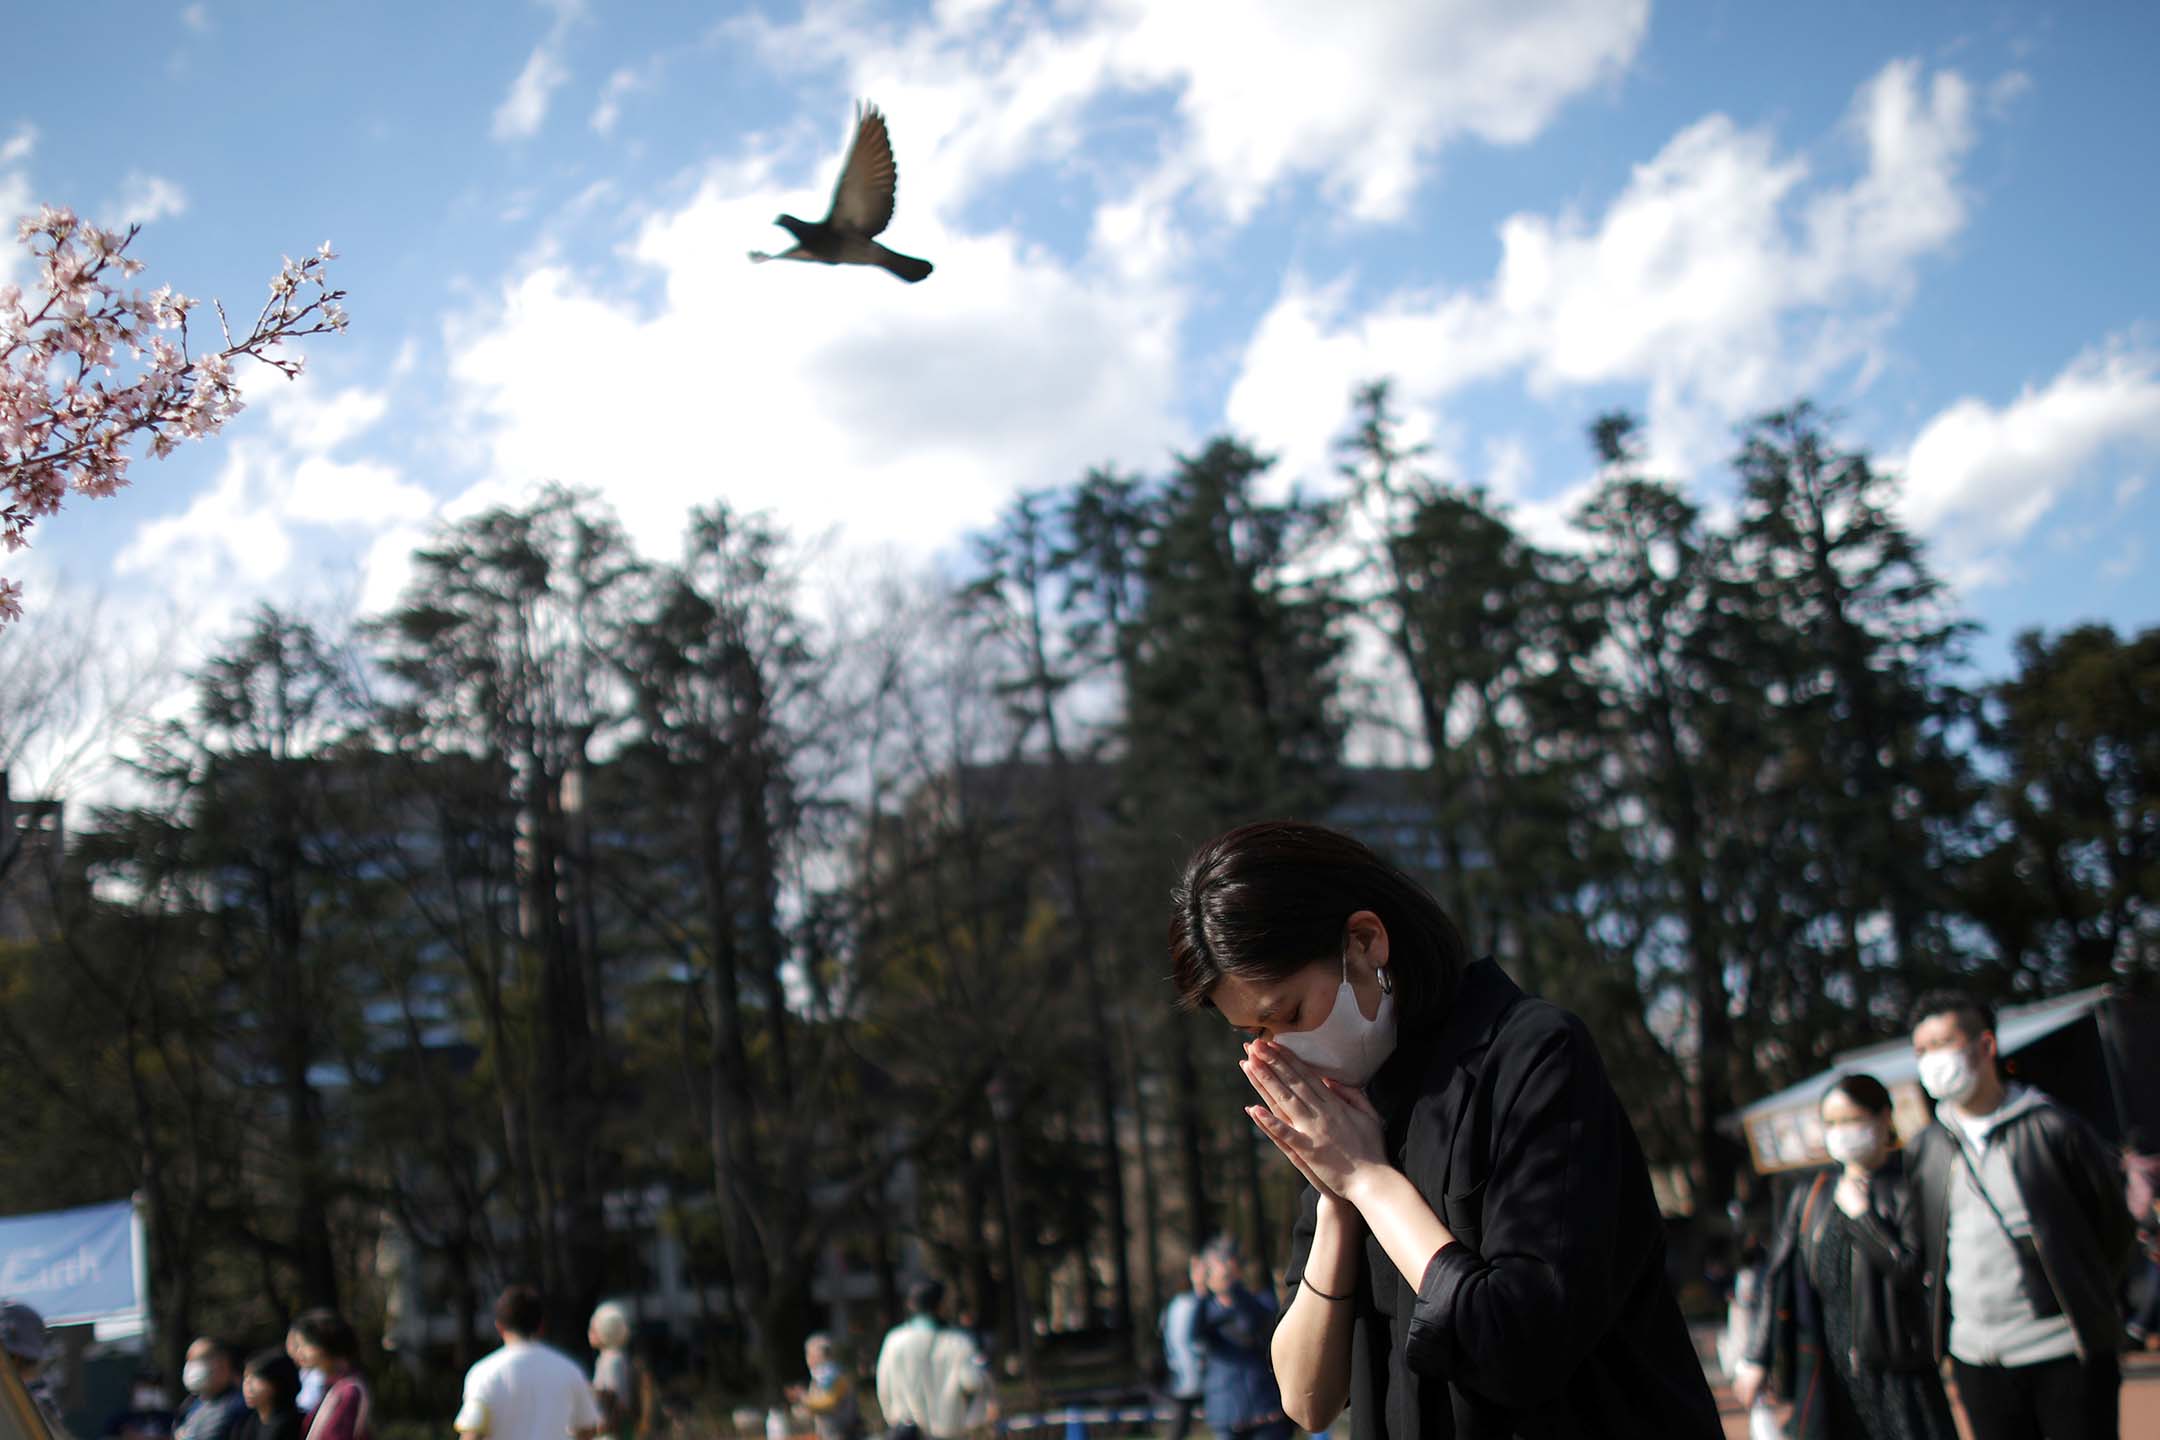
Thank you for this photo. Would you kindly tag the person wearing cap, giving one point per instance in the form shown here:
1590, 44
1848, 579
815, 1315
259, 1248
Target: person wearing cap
22, 1335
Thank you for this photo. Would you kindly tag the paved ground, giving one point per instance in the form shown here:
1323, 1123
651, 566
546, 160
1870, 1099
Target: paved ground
2140, 1402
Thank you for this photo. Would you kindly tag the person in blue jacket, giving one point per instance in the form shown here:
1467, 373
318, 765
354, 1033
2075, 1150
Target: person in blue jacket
1232, 1331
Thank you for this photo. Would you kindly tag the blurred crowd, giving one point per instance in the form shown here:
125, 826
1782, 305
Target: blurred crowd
2004, 1249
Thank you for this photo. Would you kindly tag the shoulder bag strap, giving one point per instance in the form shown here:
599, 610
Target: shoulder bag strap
1807, 1211
1804, 1242
1973, 1174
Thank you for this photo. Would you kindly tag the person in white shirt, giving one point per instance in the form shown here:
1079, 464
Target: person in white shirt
615, 1373
526, 1390
928, 1374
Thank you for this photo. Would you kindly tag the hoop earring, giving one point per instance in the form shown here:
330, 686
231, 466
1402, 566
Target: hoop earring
1387, 984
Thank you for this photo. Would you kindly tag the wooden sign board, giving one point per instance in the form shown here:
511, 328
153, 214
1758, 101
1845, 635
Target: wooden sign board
1791, 1137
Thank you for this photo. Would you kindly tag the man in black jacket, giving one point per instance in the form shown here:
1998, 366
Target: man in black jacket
2018, 1214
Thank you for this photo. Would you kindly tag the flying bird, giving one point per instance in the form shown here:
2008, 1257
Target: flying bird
862, 206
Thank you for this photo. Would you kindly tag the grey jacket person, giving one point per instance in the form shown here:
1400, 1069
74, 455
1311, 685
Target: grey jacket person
2071, 1188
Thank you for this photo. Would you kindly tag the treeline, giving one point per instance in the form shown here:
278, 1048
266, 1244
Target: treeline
581, 881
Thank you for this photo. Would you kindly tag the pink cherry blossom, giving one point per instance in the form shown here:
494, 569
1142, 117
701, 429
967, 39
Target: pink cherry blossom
85, 371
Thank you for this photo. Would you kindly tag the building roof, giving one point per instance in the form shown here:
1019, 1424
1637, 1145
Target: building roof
1893, 1061
1784, 1131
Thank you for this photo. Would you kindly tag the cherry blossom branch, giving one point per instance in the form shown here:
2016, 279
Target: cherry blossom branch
91, 370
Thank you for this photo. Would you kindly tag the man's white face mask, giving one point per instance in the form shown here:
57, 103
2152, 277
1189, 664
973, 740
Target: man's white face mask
1346, 1046
1949, 1075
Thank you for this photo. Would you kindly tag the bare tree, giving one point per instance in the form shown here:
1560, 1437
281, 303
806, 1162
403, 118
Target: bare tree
72, 693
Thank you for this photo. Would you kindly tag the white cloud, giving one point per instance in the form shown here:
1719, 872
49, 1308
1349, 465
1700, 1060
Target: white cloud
623, 82
2008, 89
1978, 477
226, 535
1549, 522
1908, 202
833, 398
524, 109
1508, 469
1716, 279
15, 201
147, 198
1363, 96
1138, 235
1360, 97
387, 566
237, 540
196, 18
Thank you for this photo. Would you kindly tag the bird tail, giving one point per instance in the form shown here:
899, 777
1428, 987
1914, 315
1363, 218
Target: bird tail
907, 267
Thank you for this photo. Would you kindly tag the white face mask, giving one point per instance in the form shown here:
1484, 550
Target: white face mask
195, 1375
1855, 1143
1948, 1075
1346, 1046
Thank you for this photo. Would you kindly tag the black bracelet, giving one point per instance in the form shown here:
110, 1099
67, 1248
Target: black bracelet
1304, 1284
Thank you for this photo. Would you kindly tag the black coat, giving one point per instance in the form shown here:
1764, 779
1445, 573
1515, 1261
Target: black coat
2072, 1186
282, 1425
1552, 1315
1889, 1308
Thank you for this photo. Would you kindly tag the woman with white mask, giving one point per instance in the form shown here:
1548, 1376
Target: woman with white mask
1844, 1333
1479, 1252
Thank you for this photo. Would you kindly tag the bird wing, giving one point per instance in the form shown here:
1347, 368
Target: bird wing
863, 200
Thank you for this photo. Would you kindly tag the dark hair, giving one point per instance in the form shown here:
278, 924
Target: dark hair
1265, 900
276, 1369
219, 1349
926, 1297
1865, 1091
328, 1332
520, 1311
1974, 1017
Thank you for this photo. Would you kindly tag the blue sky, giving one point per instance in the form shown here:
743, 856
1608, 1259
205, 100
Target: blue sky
1151, 221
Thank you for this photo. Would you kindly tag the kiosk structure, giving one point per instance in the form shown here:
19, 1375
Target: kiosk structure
2097, 1051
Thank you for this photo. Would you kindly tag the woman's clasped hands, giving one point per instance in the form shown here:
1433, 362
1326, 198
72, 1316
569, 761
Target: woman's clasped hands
1328, 1130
